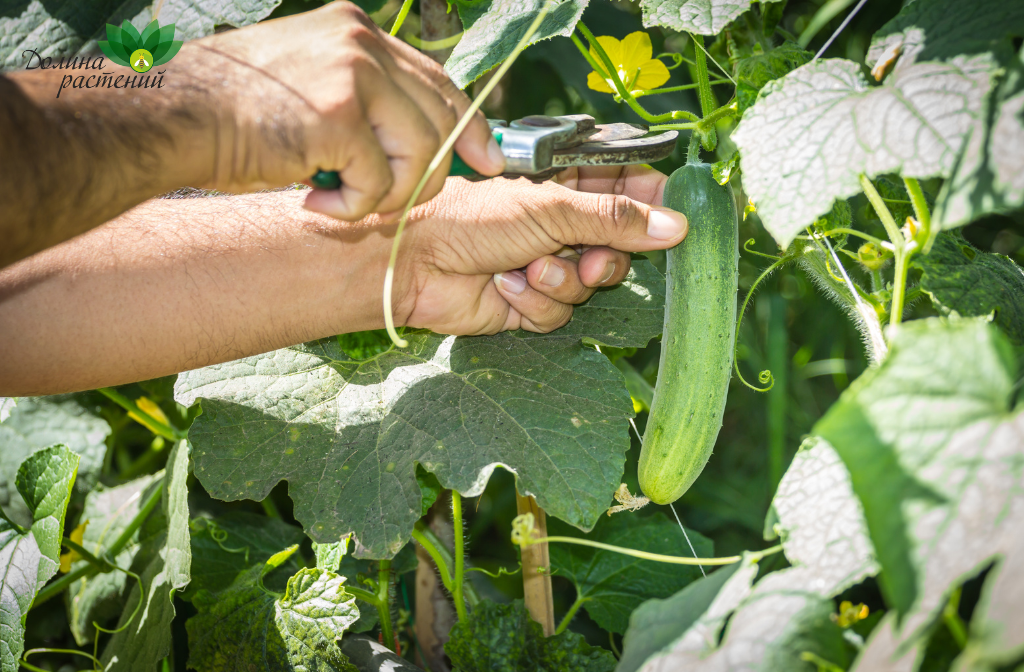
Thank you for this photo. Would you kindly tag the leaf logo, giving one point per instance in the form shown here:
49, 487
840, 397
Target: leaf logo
125, 46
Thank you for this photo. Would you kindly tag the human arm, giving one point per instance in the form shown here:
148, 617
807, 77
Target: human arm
178, 284
255, 108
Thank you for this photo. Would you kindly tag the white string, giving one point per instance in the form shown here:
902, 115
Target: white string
687, 537
842, 26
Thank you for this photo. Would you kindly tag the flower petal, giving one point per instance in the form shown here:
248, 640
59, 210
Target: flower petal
636, 50
653, 74
612, 47
597, 83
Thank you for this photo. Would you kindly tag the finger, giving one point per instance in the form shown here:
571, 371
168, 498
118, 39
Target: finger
539, 313
365, 178
603, 267
557, 278
578, 218
407, 137
475, 145
639, 182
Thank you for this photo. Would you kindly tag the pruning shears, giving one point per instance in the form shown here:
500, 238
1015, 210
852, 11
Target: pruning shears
539, 146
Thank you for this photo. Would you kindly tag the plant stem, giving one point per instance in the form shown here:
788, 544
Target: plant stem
364, 595
384, 603
567, 619
152, 424
900, 251
656, 557
891, 228
854, 232
951, 616
899, 287
400, 19
693, 150
420, 534
707, 101
924, 216
460, 558
85, 571
673, 89
101, 566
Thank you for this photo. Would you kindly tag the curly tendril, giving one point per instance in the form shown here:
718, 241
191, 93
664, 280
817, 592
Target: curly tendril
747, 248
765, 377
677, 59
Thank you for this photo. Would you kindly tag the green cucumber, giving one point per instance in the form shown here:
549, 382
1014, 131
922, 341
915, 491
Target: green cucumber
697, 341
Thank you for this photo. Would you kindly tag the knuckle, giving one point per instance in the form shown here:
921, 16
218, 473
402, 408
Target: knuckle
617, 212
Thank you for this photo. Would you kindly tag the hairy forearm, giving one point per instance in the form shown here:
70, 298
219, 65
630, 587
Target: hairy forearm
177, 284
74, 162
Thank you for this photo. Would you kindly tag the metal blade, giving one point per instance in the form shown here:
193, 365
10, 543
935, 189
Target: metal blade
617, 152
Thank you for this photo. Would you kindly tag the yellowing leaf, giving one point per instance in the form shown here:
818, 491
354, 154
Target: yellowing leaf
634, 62
71, 556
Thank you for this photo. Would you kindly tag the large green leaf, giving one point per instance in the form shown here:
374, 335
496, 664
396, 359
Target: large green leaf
226, 546
612, 584
29, 557
958, 277
494, 28
38, 422
503, 638
990, 174
657, 623
787, 613
247, 628
812, 133
937, 30
347, 435
934, 449
101, 597
703, 17
162, 562
69, 27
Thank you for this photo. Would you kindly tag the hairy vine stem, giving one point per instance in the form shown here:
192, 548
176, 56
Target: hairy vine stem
449, 143
460, 560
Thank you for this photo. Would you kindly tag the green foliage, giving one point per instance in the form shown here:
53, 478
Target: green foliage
246, 628
67, 28
756, 70
100, 598
929, 451
503, 638
38, 422
599, 576
29, 557
163, 562
959, 277
351, 433
812, 133
702, 17
494, 28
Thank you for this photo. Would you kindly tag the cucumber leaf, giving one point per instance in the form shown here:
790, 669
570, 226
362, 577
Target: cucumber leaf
69, 27
348, 435
973, 283
38, 422
990, 175
162, 562
246, 628
937, 30
503, 638
753, 72
101, 597
599, 576
934, 454
225, 546
812, 133
494, 28
702, 17
30, 557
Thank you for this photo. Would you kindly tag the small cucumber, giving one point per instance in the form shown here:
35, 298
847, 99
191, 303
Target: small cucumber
697, 341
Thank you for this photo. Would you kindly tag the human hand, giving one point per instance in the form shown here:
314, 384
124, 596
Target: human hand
458, 265
327, 89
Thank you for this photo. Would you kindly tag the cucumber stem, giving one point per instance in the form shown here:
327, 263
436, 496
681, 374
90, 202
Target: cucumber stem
460, 557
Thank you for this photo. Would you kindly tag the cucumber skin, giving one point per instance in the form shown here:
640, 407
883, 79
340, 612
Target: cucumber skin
698, 337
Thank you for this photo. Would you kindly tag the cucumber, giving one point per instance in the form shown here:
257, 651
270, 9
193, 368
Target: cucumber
697, 341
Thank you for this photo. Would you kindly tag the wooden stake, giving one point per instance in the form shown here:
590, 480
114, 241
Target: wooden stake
537, 569
435, 614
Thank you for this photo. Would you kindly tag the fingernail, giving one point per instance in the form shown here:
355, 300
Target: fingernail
495, 155
513, 281
609, 271
666, 224
552, 275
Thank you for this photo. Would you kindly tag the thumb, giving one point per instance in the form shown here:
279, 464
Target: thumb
621, 223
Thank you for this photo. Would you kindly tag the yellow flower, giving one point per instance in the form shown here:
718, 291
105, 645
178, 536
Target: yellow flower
67, 559
849, 614
633, 58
